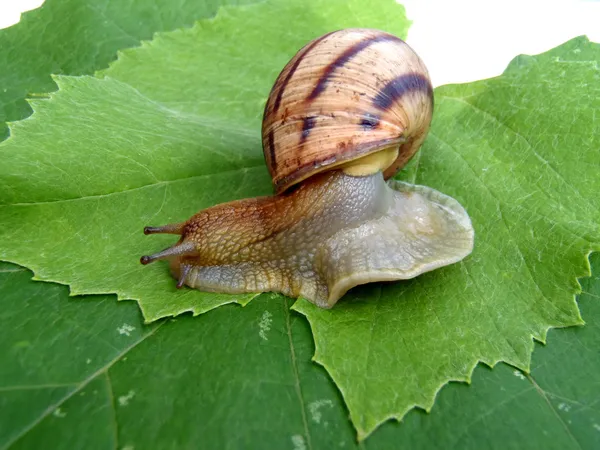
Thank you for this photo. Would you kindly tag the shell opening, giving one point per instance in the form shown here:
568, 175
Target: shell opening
371, 163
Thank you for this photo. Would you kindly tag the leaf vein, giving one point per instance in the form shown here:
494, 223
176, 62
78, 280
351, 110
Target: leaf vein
111, 404
544, 161
164, 182
80, 386
542, 393
507, 227
296, 374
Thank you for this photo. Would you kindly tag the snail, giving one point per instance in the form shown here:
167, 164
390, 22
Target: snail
345, 114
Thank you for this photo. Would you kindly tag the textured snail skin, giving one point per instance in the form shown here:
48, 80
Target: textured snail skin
348, 110
322, 239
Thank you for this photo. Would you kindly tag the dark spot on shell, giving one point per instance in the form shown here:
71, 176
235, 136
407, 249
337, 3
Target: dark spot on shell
308, 124
271, 148
369, 121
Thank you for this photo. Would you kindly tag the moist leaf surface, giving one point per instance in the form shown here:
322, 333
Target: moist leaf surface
81, 372
161, 136
505, 149
77, 37
173, 127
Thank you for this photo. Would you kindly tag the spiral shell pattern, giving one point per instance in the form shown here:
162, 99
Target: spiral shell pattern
343, 96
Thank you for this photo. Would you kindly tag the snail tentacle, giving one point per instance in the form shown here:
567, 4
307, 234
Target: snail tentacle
174, 228
179, 249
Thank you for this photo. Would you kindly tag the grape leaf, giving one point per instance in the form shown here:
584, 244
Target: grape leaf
87, 373
76, 37
163, 156
556, 406
166, 148
535, 210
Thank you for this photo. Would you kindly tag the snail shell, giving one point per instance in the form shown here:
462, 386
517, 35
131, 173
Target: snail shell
348, 110
343, 96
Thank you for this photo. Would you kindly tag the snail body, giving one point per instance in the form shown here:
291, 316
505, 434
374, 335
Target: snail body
349, 110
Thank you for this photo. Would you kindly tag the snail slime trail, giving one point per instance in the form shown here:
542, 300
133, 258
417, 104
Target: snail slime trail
345, 114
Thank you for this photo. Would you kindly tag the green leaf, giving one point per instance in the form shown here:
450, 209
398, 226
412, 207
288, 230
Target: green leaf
557, 405
76, 37
150, 144
164, 146
82, 373
73, 378
504, 148
56, 350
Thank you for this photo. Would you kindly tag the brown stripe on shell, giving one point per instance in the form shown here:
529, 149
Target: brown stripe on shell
401, 85
300, 55
308, 123
346, 56
271, 145
383, 100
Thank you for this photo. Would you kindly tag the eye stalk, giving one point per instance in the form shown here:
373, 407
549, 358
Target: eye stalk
176, 228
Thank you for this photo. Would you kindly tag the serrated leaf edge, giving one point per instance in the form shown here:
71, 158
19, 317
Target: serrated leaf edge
362, 434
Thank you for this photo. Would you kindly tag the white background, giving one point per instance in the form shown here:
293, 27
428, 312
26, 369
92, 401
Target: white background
466, 40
